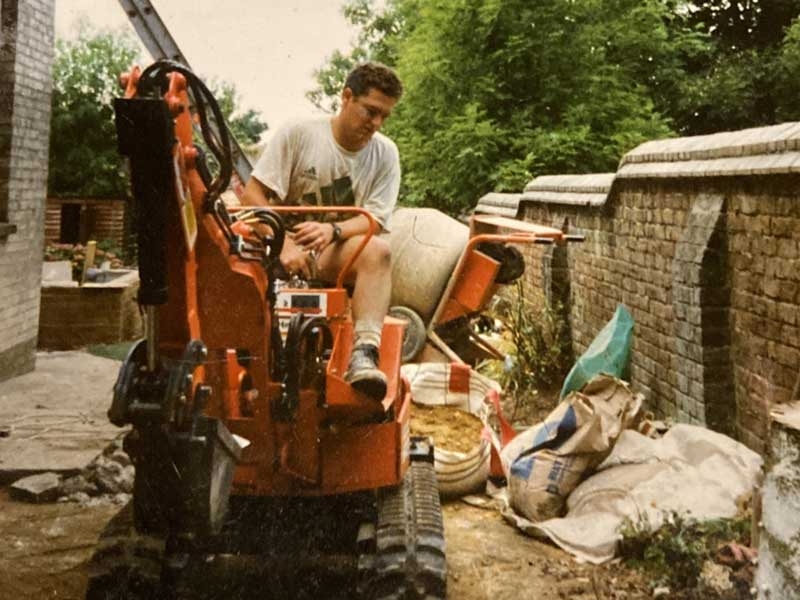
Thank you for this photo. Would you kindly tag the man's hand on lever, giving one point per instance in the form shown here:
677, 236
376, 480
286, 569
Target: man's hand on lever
295, 258
313, 235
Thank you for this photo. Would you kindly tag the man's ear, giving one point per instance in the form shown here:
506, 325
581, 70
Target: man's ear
347, 95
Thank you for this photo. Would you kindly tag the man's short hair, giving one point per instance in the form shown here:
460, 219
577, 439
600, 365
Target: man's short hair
370, 75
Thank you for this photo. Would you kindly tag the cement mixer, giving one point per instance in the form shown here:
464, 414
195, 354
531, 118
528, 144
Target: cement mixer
444, 273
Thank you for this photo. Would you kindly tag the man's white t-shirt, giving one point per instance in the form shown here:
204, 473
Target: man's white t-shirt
304, 165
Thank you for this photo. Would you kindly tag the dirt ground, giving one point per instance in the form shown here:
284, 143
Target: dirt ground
47, 546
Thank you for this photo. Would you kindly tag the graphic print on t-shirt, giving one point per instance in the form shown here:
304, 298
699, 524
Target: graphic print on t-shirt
338, 193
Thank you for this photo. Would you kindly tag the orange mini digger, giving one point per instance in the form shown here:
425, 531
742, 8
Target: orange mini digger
259, 471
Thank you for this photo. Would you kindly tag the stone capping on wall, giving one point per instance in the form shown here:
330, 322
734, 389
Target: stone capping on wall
494, 203
757, 151
582, 190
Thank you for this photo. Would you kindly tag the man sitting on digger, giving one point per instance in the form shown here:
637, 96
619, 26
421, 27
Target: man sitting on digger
341, 161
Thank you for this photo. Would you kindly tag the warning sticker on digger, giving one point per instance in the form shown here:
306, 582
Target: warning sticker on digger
188, 218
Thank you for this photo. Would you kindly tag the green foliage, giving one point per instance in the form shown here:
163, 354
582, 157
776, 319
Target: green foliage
83, 144
540, 353
498, 91
116, 351
106, 250
501, 91
741, 76
787, 75
379, 29
744, 24
245, 125
674, 554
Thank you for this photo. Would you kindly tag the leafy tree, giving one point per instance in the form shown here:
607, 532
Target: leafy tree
736, 80
499, 91
84, 160
744, 23
787, 75
246, 126
83, 148
379, 29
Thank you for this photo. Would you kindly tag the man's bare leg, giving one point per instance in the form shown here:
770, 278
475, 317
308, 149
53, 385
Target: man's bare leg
372, 276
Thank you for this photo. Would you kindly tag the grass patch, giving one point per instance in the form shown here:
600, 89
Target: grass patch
116, 351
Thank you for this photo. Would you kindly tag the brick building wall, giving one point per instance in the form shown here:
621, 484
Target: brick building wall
98, 219
700, 239
26, 53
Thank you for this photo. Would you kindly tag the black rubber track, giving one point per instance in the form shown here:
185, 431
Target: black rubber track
126, 565
401, 556
404, 558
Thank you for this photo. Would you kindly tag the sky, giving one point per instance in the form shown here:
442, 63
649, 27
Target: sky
267, 49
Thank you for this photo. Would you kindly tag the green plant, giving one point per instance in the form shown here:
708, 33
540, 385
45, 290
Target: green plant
106, 250
540, 350
674, 554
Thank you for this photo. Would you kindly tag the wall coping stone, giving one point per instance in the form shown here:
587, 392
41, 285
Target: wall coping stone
770, 150
494, 203
585, 190
590, 182
757, 151
787, 415
125, 278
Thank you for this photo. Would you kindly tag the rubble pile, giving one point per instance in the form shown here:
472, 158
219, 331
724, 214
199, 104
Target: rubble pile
107, 479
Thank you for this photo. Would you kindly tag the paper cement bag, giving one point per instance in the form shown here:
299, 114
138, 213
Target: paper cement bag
545, 463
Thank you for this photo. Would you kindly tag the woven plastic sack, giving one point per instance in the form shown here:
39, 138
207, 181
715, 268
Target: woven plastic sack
608, 353
446, 384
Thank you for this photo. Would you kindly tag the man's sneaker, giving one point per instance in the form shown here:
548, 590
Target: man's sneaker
363, 373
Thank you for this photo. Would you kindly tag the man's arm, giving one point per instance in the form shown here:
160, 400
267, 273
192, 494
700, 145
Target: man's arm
294, 257
257, 194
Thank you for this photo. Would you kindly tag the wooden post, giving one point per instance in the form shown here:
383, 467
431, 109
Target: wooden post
88, 259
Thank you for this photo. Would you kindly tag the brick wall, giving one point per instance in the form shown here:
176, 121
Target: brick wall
72, 317
26, 52
101, 219
700, 239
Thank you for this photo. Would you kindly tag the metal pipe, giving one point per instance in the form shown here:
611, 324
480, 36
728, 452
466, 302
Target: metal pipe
151, 335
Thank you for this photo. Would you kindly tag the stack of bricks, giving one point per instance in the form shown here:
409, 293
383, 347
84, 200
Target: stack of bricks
26, 53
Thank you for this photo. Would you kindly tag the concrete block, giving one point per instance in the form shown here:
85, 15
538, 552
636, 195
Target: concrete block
43, 487
57, 270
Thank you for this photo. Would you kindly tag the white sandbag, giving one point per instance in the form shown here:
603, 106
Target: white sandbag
545, 463
691, 471
457, 386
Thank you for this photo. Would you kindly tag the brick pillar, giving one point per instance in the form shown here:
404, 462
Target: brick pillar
778, 576
26, 56
701, 303
556, 286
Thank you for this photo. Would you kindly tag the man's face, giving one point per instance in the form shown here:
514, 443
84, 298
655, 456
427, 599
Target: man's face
364, 115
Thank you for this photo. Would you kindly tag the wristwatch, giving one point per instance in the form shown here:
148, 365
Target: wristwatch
337, 233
